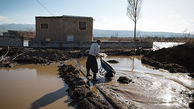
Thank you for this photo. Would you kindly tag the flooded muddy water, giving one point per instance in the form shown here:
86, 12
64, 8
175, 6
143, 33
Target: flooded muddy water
32, 87
150, 88
36, 86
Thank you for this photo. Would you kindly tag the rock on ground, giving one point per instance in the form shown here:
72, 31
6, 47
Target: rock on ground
113, 61
124, 80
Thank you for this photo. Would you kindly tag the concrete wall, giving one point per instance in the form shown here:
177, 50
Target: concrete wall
25, 34
80, 45
11, 41
61, 27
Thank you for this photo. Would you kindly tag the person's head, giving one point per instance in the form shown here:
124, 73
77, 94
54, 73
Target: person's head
99, 42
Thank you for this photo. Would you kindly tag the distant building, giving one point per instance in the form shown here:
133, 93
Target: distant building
12, 41
15, 33
64, 29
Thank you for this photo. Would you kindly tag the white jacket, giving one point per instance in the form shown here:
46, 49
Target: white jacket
94, 49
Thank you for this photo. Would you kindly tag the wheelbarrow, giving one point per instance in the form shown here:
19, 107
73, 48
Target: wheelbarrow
105, 69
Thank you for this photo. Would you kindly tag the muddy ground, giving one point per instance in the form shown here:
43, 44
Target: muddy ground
12, 56
175, 59
81, 94
179, 59
79, 91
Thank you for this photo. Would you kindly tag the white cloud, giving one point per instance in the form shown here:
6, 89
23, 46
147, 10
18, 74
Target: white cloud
169, 23
122, 23
4, 20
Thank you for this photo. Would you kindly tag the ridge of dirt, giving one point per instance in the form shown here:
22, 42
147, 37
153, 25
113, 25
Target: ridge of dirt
179, 59
79, 91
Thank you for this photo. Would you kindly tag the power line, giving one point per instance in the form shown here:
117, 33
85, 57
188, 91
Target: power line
44, 7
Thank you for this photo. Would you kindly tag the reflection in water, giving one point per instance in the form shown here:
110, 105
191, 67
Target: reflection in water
132, 65
32, 86
150, 88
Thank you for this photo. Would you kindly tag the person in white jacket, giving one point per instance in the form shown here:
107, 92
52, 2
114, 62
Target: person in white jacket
91, 62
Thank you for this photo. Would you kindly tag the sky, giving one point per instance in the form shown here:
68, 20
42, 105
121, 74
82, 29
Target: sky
156, 15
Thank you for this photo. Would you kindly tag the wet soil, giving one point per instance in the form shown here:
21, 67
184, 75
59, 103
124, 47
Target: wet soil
113, 61
150, 88
124, 80
179, 59
123, 52
79, 91
36, 56
12, 56
83, 94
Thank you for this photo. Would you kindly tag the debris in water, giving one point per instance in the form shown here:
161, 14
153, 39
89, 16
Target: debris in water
124, 80
113, 61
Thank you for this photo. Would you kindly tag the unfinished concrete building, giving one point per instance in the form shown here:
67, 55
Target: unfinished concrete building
64, 29
71, 32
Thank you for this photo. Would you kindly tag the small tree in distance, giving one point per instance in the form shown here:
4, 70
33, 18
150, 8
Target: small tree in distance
133, 12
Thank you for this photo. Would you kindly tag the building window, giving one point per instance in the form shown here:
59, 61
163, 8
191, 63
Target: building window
44, 26
48, 39
82, 25
70, 38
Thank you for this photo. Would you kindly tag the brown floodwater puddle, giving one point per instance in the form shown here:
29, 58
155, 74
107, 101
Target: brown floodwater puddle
32, 86
150, 88
36, 86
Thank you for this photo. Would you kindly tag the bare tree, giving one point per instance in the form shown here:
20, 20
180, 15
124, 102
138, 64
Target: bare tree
133, 12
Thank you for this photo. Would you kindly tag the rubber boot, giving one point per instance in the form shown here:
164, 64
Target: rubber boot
88, 73
94, 77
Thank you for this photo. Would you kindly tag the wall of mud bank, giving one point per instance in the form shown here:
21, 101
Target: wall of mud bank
36, 56
80, 93
16, 55
177, 59
81, 45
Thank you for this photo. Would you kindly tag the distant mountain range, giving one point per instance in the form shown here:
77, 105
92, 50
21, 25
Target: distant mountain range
97, 32
20, 27
125, 33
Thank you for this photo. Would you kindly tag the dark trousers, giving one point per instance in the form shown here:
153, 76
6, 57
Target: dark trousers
91, 63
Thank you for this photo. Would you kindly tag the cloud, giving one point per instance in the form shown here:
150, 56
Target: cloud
116, 23
4, 20
169, 23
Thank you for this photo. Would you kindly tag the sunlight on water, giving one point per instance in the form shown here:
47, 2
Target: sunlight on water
151, 88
